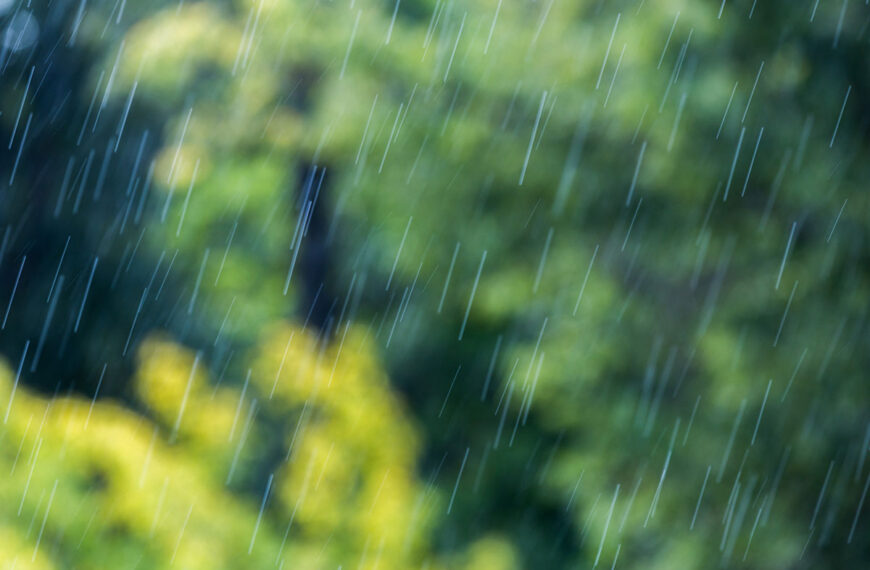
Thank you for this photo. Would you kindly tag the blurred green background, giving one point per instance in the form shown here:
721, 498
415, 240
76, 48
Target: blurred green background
434, 284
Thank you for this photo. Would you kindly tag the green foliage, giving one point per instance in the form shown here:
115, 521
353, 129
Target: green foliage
451, 133
614, 254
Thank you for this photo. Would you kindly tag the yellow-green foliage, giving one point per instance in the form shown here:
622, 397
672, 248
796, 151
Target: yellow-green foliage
99, 486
